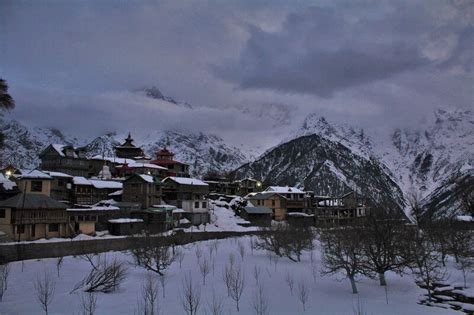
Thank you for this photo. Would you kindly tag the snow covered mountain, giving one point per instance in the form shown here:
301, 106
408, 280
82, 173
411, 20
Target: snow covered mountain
429, 159
326, 167
23, 144
203, 152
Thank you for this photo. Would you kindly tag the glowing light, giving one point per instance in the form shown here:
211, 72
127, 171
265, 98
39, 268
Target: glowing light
8, 173
259, 184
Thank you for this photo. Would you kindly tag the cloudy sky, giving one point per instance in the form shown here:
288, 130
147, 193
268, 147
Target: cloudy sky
77, 65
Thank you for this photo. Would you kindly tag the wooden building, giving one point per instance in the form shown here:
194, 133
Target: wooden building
61, 186
261, 216
70, 160
88, 220
126, 226
295, 197
132, 167
165, 158
328, 210
247, 185
128, 150
91, 191
31, 216
143, 189
188, 194
274, 201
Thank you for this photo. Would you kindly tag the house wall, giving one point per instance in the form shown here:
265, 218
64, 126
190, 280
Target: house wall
277, 204
25, 186
136, 190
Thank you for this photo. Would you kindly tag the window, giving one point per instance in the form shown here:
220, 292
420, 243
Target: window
60, 183
36, 186
53, 227
273, 203
2, 213
204, 204
20, 229
196, 204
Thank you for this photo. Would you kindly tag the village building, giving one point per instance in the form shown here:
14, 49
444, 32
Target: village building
61, 186
128, 150
295, 197
70, 160
31, 216
157, 219
276, 202
33, 181
133, 167
328, 210
89, 219
261, 216
248, 185
165, 158
90, 191
188, 194
143, 189
126, 226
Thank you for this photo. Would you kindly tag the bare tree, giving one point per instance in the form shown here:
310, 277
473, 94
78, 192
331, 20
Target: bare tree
205, 269
421, 255
154, 256
88, 303
237, 285
198, 252
191, 296
303, 293
105, 277
93, 259
59, 264
4, 273
241, 247
256, 274
44, 290
465, 265
163, 280
216, 305
286, 241
290, 280
148, 303
260, 301
342, 252
381, 233
313, 266
179, 255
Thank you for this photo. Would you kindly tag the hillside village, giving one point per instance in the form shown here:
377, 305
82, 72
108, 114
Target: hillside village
131, 193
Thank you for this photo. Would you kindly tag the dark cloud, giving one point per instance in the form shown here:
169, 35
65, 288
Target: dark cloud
325, 50
72, 65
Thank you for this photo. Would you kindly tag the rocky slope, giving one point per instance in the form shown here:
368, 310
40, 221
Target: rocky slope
326, 167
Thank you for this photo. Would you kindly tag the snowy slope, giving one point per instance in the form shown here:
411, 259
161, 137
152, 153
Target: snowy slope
327, 295
423, 159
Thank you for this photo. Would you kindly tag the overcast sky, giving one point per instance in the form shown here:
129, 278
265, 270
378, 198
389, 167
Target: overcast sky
75, 65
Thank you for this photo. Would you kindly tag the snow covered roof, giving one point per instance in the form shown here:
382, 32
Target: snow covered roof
99, 184
33, 174
59, 148
146, 165
299, 214
186, 181
94, 208
147, 178
57, 174
6, 183
284, 190
465, 218
125, 220
117, 193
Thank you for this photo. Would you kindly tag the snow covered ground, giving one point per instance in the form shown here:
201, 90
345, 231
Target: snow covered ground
327, 295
